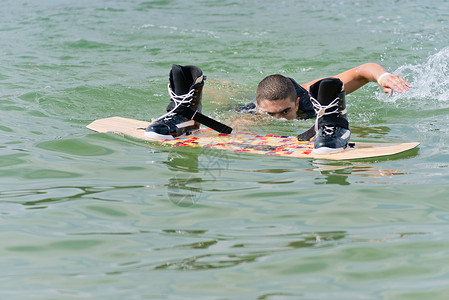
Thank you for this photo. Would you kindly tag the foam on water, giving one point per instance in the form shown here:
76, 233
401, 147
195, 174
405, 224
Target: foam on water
429, 80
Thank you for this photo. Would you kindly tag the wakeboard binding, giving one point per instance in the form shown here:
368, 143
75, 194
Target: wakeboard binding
331, 126
184, 110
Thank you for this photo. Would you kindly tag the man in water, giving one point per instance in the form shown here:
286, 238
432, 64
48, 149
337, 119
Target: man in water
280, 97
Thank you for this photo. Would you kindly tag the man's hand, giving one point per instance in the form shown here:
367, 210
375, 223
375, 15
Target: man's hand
390, 82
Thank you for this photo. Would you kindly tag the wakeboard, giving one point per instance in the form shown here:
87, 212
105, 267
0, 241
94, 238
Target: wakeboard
269, 144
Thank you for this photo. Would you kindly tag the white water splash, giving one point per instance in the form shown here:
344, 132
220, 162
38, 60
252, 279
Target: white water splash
429, 80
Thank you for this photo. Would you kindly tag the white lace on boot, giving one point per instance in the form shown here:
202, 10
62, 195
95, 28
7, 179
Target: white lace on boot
178, 100
321, 110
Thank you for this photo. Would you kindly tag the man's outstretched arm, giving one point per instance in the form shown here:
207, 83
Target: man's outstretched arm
357, 77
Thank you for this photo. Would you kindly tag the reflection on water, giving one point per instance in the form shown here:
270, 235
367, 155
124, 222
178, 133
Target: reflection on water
211, 261
317, 238
183, 160
184, 189
339, 172
194, 166
209, 251
44, 197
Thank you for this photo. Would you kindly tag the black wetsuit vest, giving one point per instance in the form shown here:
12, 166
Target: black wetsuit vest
305, 110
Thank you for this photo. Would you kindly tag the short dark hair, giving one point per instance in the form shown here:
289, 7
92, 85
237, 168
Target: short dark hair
276, 87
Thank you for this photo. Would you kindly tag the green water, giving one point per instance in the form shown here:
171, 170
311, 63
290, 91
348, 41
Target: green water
100, 216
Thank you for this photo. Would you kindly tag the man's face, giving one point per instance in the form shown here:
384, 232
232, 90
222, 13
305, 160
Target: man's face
284, 108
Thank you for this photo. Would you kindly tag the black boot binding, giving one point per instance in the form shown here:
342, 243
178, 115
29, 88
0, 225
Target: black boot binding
331, 126
184, 110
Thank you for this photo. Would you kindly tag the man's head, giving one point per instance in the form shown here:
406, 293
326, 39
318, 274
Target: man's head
276, 96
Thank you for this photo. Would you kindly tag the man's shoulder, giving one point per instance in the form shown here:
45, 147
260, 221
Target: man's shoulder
249, 107
299, 89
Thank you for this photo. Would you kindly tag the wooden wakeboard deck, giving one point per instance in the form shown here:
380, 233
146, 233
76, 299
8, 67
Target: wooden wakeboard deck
287, 146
